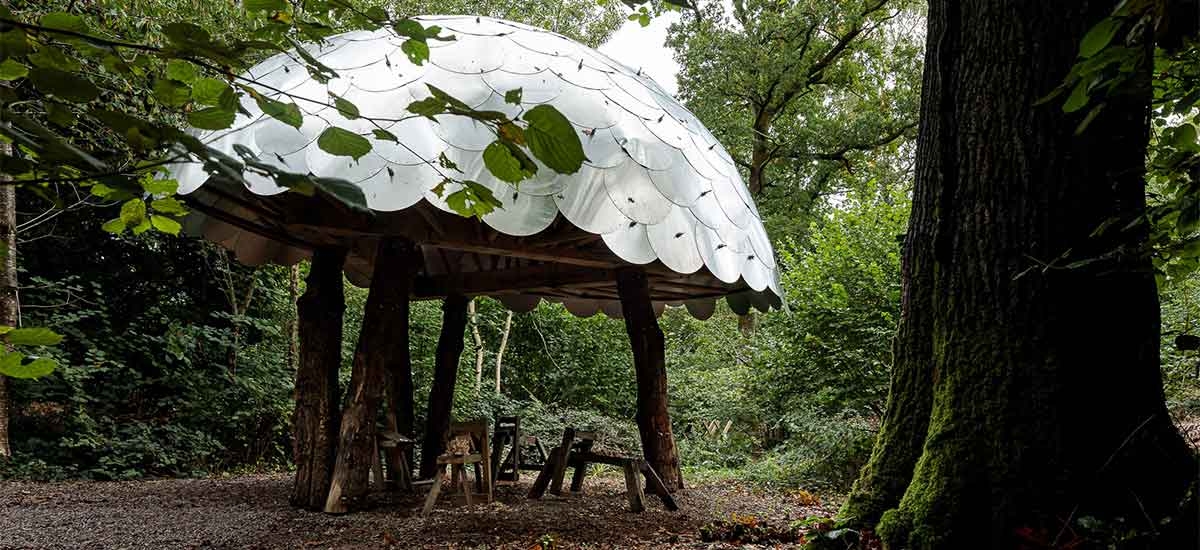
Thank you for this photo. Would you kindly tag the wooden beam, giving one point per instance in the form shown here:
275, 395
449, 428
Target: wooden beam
515, 279
501, 247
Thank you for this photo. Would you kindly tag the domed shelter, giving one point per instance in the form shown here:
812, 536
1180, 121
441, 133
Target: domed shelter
657, 215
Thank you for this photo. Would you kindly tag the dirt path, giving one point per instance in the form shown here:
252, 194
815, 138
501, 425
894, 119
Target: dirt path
252, 512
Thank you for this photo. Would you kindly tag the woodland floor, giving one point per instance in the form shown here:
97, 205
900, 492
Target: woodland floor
252, 512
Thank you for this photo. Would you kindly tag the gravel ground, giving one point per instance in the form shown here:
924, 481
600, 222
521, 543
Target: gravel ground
252, 512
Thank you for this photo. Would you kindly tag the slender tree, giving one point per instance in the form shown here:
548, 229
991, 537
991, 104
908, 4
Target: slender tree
8, 288
1026, 391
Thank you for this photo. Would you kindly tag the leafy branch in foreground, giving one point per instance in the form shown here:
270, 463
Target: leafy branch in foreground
62, 78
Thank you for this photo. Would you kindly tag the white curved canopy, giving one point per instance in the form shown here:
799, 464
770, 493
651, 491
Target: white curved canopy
656, 186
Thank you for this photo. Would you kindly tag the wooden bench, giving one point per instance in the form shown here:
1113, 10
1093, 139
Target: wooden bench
576, 451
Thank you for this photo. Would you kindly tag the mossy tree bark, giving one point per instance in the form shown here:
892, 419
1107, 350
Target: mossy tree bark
1046, 397
649, 362
445, 374
378, 345
316, 418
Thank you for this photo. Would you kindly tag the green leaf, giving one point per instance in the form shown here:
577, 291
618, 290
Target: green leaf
553, 140
165, 224
212, 118
210, 91
161, 187
63, 21
501, 162
62, 84
446, 163
13, 43
38, 336
12, 367
513, 96
178, 69
287, 113
427, 107
186, 34
1078, 98
1184, 138
337, 141
265, 5
169, 205
171, 92
348, 110
10, 69
416, 50
410, 28
385, 135
1098, 37
133, 212
60, 114
472, 200
54, 58
348, 193
115, 226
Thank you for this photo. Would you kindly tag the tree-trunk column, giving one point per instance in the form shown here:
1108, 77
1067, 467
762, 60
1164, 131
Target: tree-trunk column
649, 361
441, 395
315, 421
377, 345
399, 385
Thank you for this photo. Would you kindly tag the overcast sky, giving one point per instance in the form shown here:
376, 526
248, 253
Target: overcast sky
642, 48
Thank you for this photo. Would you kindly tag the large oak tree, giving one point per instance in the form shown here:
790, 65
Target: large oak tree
1026, 392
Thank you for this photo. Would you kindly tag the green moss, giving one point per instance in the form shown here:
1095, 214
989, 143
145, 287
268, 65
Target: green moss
893, 528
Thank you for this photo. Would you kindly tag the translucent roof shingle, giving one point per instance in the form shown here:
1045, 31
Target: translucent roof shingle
656, 186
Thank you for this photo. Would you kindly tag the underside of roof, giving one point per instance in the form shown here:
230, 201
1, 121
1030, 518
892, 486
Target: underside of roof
657, 189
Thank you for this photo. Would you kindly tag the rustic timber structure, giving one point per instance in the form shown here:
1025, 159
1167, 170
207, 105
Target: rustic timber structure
657, 216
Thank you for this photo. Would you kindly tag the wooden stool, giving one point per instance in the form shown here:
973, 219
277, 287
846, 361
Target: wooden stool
395, 448
467, 443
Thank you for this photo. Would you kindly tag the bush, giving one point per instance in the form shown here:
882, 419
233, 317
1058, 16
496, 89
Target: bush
822, 453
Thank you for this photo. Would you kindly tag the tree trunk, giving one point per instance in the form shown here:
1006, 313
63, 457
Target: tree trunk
399, 369
445, 374
1046, 400
315, 422
8, 290
649, 362
377, 345
471, 311
293, 338
503, 346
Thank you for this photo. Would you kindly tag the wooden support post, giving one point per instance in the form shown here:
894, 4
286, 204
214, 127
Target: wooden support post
315, 420
581, 468
377, 345
633, 487
564, 458
441, 395
649, 361
399, 386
